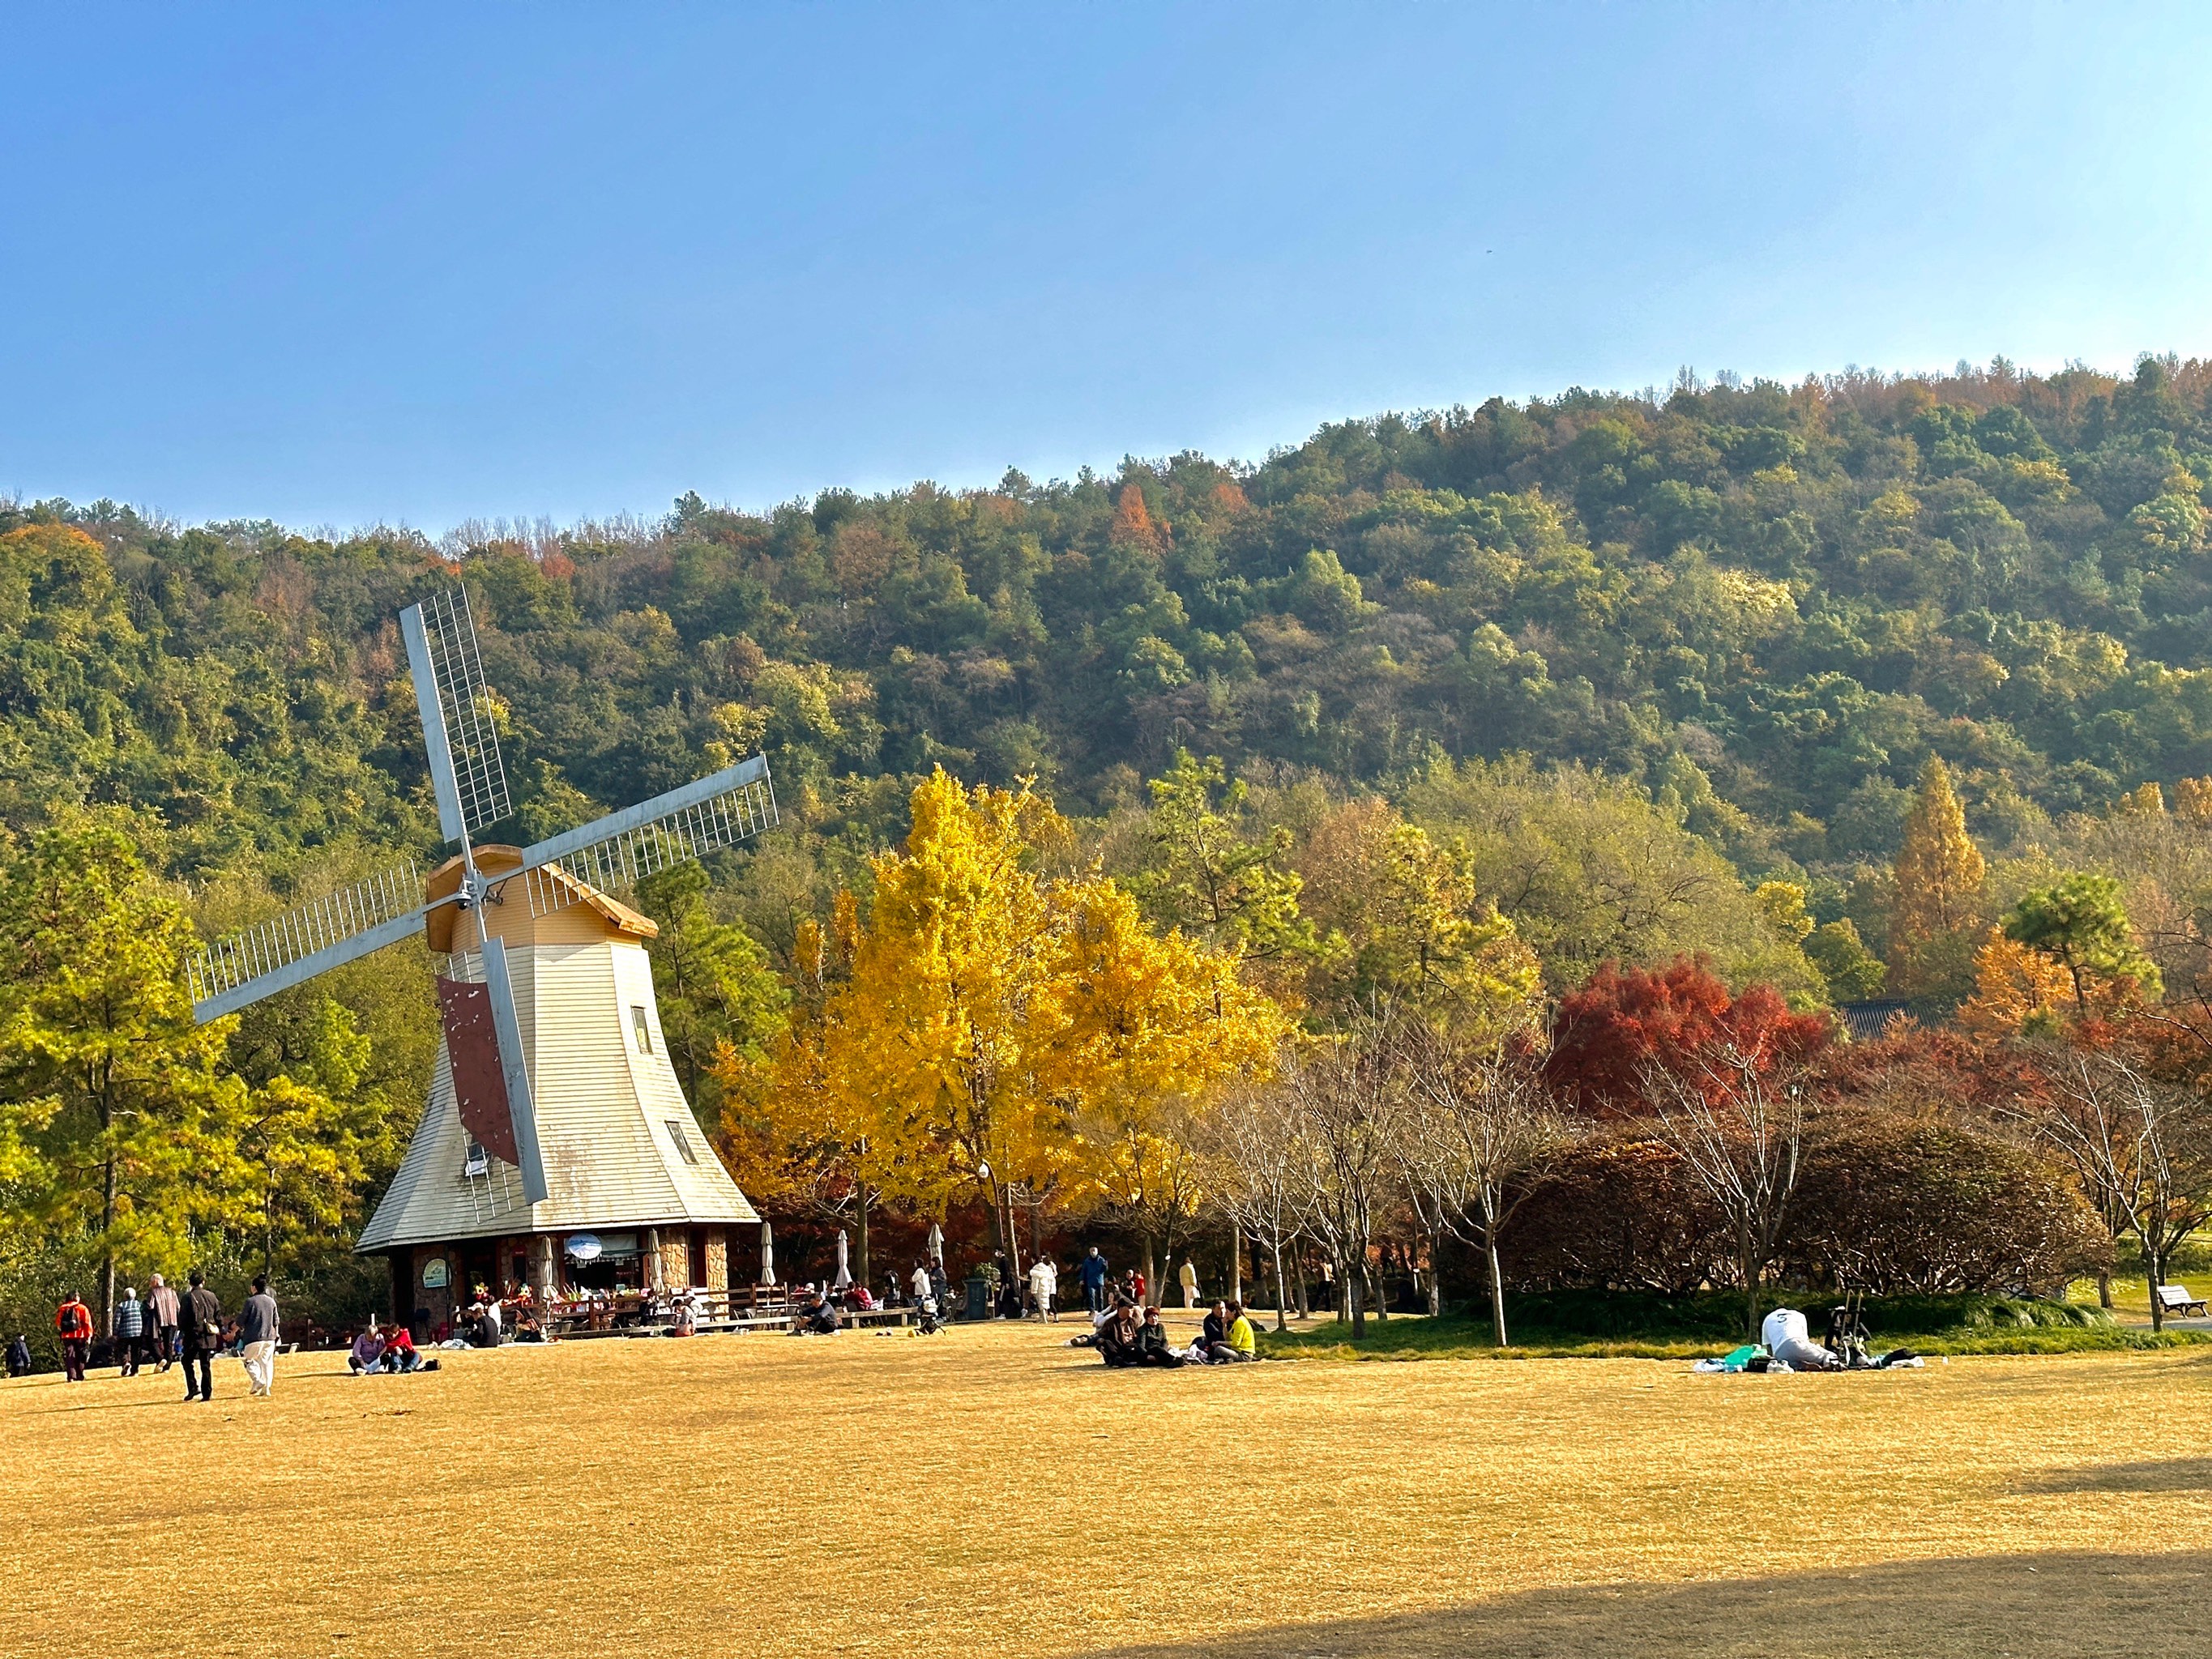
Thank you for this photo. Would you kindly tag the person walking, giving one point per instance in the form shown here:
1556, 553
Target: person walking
199, 1335
1093, 1273
129, 1331
257, 1337
162, 1316
73, 1325
1188, 1279
1041, 1277
19, 1356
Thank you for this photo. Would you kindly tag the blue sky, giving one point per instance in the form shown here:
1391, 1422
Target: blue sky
420, 264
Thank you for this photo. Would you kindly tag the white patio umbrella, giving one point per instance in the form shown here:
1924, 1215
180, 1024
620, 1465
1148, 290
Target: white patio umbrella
767, 1254
844, 1268
937, 1243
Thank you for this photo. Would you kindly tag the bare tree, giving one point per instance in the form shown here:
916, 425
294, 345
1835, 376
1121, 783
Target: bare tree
1252, 1144
1342, 1176
1736, 1119
2141, 1148
1473, 1125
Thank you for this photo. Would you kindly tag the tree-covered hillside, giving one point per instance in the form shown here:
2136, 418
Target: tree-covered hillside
1859, 686
1768, 604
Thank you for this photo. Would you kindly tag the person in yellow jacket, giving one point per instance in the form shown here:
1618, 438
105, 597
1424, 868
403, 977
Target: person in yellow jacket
1238, 1346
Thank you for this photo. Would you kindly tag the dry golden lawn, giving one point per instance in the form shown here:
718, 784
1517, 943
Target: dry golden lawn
988, 1491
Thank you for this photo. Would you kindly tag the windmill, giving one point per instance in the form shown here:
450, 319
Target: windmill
554, 1113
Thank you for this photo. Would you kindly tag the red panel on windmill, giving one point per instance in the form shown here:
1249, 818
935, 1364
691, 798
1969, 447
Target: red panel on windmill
479, 1083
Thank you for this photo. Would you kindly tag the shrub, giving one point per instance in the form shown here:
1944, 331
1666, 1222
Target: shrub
1896, 1205
1619, 1212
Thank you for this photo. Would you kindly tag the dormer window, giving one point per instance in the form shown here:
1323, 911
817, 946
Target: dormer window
641, 1027
479, 1161
682, 1141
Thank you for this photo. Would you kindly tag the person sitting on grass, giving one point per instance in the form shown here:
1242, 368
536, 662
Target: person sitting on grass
1238, 1344
818, 1316
367, 1354
399, 1354
1116, 1338
1153, 1347
1215, 1331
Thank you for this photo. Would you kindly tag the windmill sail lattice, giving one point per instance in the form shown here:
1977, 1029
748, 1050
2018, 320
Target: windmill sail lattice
615, 852
466, 771
308, 939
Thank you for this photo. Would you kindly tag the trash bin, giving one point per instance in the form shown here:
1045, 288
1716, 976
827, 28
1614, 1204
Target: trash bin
979, 1298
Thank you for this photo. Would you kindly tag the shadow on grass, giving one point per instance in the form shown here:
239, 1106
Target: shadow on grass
2030, 1607
2183, 1474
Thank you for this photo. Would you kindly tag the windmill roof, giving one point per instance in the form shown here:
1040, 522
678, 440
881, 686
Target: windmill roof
445, 880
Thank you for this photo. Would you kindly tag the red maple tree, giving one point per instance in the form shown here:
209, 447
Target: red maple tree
1622, 1021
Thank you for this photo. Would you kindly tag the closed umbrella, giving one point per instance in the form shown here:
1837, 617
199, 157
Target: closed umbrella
844, 1269
937, 1243
767, 1254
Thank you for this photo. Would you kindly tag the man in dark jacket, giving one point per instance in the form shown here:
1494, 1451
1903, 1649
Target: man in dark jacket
1093, 1271
257, 1337
201, 1334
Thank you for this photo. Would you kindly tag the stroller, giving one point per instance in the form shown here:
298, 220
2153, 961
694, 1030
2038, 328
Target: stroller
926, 1322
1847, 1332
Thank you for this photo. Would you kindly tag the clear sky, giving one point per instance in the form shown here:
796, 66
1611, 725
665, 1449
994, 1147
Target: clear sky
423, 264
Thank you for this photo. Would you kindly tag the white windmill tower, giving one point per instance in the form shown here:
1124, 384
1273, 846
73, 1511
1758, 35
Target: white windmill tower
557, 1145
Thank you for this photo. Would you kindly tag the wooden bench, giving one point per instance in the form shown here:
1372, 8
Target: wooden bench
2176, 1298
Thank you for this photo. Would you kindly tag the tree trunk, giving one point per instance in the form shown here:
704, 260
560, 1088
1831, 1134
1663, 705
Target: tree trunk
1353, 1288
2105, 1288
1750, 1284
2154, 1260
106, 1241
1281, 1323
1378, 1287
1344, 1297
1436, 1279
1236, 1266
1496, 1288
1305, 1298
865, 1200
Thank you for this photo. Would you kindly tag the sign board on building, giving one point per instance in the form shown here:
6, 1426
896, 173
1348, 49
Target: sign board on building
583, 1246
433, 1273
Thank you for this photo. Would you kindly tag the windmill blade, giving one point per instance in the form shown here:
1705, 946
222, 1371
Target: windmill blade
621, 849
466, 774
277, 954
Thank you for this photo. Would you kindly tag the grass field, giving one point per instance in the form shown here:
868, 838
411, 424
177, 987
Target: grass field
988, 1491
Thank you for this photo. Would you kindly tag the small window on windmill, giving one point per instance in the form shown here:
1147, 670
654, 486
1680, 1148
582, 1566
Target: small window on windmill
479, 1161
644, 1030
683, 1142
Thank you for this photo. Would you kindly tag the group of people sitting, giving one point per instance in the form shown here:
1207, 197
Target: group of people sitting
388, 1349
1126, 1334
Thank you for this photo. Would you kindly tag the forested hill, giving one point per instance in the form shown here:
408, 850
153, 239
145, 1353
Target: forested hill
1766, 605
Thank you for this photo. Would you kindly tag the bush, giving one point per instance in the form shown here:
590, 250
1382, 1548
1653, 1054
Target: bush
1896, 1205
1619, 1213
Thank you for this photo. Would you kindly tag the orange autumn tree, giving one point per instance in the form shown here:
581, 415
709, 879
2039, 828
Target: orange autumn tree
1936, 910
2015, 990
973, 1033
